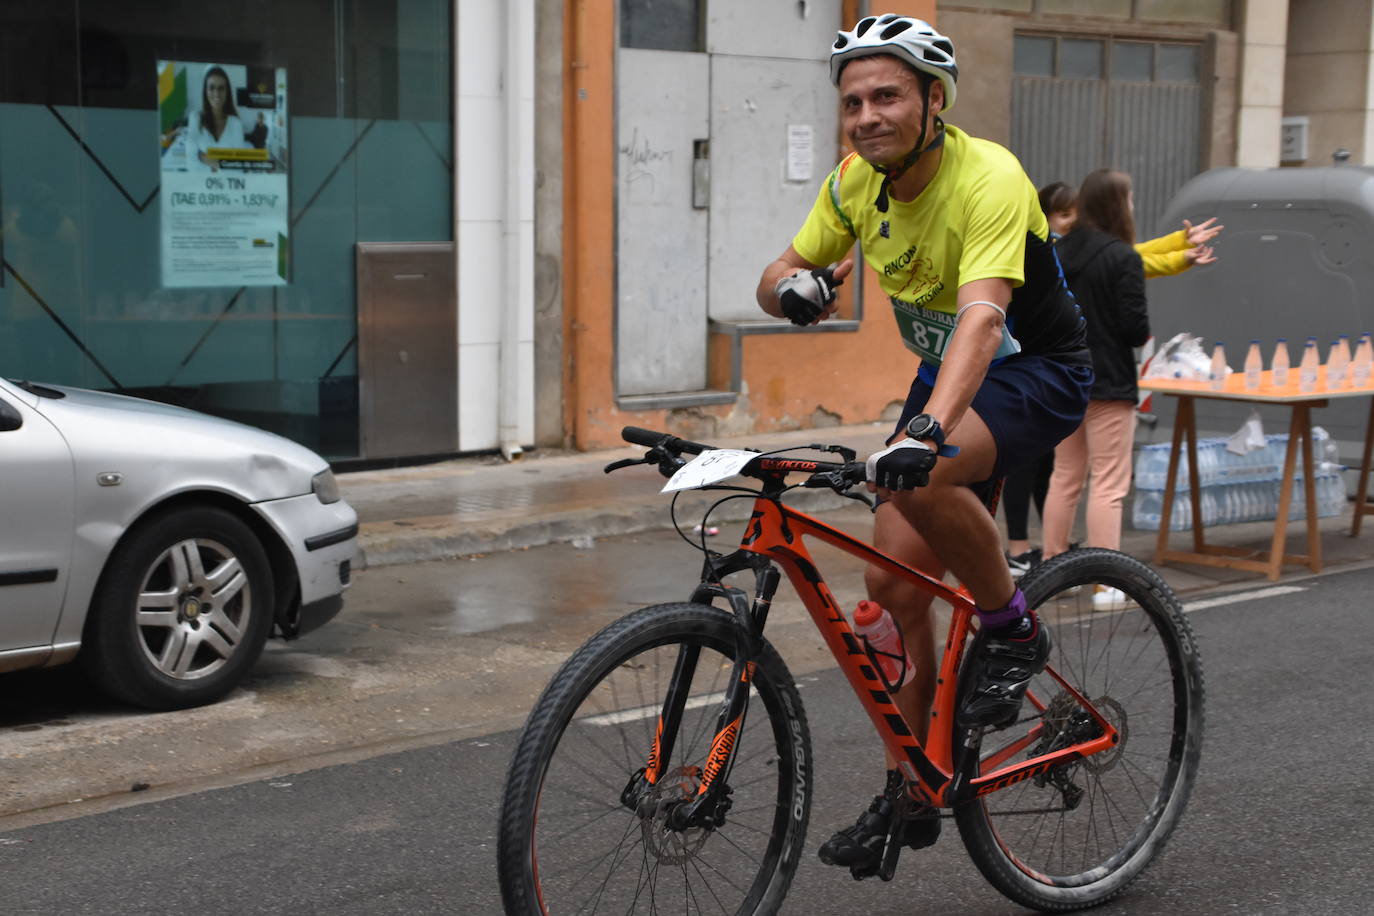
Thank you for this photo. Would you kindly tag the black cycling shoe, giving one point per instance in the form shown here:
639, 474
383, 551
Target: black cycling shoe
860, 847
1003, 668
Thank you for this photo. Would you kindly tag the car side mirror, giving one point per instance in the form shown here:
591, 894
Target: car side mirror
9, 417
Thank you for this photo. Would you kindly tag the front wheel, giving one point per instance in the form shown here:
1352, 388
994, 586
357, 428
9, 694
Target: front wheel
182, 610
1076, 835
576, 835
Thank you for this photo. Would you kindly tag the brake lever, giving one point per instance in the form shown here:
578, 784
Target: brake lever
625, 463
848, 454
868, 501
668, 464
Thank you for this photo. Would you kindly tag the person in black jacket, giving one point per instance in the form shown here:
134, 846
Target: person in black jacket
1107, 277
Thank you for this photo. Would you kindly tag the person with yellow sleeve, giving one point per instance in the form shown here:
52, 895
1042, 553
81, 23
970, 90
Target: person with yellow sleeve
1176, 252
1163, 257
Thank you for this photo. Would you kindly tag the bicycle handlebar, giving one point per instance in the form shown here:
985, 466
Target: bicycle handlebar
665, 450
650, 439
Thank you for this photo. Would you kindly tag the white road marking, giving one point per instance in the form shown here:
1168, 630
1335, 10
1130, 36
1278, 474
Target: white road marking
646, 712
1237, 597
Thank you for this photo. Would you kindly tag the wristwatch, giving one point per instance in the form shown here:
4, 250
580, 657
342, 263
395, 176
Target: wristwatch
924, 427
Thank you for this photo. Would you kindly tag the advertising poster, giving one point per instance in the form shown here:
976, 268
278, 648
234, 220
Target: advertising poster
223, 148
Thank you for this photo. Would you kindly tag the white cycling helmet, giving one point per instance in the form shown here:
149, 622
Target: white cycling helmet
911, 40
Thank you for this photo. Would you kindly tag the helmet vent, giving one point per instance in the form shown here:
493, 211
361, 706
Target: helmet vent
841, 42
864, 27
943, 46
894, 30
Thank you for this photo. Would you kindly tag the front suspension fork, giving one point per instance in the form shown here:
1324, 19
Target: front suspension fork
706, 809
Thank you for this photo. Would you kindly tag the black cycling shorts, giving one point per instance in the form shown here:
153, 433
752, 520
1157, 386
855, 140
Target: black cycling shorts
1029, 403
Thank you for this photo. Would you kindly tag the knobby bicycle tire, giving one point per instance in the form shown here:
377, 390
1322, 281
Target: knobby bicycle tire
1078, 835
569, 843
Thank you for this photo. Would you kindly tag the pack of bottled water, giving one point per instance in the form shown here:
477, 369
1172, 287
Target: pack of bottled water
1234, 488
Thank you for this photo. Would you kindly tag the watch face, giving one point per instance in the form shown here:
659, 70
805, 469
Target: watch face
920, 425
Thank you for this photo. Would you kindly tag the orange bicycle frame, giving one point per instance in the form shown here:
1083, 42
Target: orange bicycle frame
777, 531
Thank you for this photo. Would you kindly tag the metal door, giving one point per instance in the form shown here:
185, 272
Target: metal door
661, 236
407, 349
36, 525
1080, 104
774, 136
720, 151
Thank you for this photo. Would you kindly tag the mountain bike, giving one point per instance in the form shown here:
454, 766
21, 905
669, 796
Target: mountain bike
667, 766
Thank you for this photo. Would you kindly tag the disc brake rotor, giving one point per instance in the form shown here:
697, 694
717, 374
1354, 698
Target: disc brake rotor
669, 846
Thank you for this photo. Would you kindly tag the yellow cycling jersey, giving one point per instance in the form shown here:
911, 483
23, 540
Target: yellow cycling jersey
978, 218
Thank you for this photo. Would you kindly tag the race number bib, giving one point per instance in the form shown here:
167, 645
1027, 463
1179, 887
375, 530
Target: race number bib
926, 333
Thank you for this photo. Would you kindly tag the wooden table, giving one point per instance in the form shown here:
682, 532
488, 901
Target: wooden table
1270, 561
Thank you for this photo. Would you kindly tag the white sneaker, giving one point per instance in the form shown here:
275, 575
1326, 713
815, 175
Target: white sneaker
1106, 598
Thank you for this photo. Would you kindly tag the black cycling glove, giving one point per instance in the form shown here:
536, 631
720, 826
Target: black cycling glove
805, 294
904, 466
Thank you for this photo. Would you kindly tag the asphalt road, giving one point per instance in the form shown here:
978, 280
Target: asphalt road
1280, 820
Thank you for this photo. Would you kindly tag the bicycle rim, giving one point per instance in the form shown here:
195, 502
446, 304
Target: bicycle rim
1077, 835
570, 841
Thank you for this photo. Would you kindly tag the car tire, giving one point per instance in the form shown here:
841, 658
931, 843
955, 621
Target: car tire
182, 610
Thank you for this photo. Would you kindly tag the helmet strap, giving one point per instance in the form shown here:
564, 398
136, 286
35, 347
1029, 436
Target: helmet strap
893, 173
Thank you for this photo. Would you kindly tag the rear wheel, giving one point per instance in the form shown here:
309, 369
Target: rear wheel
1077, 835
575, 838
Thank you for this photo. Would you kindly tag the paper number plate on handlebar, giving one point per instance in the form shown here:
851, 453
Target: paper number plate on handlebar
709, 467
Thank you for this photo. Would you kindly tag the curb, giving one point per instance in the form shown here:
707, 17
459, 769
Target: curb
396, 543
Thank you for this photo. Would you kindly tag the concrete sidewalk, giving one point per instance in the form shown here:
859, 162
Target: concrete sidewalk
485, 505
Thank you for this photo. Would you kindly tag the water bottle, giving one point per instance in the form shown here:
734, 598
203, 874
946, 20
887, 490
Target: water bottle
1280, 363
1307, 369
1148, 509
1254, 366
1152, 466
1336, 362
1219, 370
1363, 362
883, 640
1324, 448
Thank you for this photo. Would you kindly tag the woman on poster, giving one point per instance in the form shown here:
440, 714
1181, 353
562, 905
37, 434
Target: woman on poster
217, 125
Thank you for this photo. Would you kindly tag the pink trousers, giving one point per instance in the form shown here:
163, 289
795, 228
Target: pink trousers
1099, 450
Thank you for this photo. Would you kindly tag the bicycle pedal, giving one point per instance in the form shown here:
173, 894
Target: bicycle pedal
860, 872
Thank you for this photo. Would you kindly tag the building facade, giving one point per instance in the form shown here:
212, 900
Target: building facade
315, 216
449, 226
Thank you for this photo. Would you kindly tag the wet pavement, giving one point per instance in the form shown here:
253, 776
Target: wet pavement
426, 653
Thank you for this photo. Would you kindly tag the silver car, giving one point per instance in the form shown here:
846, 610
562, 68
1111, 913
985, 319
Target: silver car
157, 546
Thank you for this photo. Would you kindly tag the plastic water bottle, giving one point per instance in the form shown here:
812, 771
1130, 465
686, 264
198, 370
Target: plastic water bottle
884, 643
1280, 363
1148, 509
1254, 366
1337, 360
1363, 362
1307, 369
1219, 369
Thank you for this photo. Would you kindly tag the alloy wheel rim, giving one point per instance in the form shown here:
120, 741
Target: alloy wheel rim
193, 608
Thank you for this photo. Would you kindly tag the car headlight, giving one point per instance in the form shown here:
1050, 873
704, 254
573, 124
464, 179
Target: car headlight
325, 486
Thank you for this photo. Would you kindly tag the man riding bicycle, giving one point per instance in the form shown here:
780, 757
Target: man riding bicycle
953, 228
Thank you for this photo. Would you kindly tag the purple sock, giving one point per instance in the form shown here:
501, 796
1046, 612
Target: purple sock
1006, 617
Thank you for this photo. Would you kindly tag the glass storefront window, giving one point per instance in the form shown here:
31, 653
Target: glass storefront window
1178, 63
661, 25
1080, 59
100, 115
1033, 56
1132, 61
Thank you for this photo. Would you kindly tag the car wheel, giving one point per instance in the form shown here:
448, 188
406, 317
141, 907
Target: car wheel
182, 610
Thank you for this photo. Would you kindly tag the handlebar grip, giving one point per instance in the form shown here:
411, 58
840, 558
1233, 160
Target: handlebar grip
648, 438
645, 437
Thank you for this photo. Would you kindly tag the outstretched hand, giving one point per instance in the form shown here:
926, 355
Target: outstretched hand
1202, 254
1201, 233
